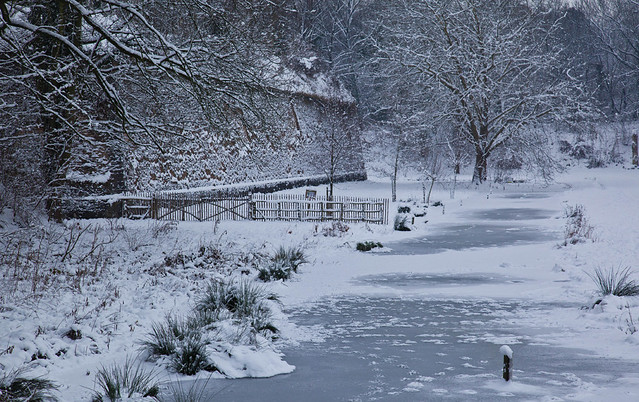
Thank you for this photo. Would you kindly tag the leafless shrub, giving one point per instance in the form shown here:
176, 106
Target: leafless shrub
577, 230
37, 259
160, 228
630, 324
333, 229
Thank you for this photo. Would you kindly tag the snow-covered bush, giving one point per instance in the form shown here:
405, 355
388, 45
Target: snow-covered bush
615, 281
14, 387
127, 381
185, 340
334, 229
282, 264
577, 230
404, 219
276, 271
581, 150
368, 245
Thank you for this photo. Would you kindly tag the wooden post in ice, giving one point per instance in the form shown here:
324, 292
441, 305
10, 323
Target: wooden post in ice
508, 361
635, 150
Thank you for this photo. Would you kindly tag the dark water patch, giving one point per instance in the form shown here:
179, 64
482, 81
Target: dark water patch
525, 196
511, 214
412, 280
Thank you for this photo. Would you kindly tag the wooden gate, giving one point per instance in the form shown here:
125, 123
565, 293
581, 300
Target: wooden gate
187, 208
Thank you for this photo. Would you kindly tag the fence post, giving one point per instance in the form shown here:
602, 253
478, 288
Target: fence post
154, 207
508, 362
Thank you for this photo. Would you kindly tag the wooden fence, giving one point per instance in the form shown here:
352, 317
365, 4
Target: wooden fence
298, 208
268, 207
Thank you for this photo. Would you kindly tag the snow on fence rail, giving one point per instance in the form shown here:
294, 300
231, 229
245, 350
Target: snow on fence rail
268, 207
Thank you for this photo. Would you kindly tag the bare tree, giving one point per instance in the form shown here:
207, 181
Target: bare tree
385, 146
128, 72
615, 26
337, 142
491, 66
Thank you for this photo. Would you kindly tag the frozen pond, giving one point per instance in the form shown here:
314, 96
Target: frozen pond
418, 349
407, 348
480, 234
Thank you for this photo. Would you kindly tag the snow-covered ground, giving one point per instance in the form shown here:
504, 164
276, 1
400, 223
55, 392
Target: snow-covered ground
113, 297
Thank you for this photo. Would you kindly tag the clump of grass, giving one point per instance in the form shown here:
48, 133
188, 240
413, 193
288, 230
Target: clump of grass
282, 264
128, 380
165, 337
577, 230
368, 245
290, 257
616, 282
194, 393
181, 340
190, 356
242, 298
14, 387
161, 341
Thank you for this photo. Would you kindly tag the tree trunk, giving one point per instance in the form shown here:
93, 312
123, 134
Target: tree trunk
57, 145
480, 174
330, 190
452, 190
394, 176
394, 188
430, 190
